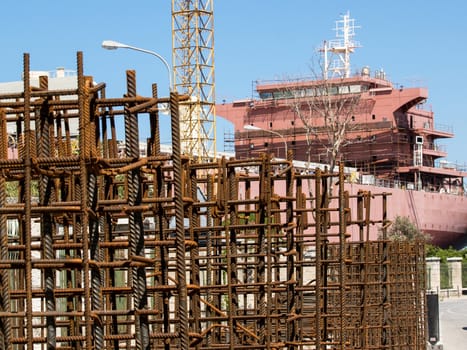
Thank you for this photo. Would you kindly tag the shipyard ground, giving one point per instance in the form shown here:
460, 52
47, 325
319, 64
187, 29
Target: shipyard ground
453, 323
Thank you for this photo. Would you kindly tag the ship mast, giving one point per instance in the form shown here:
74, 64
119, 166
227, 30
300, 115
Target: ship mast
336, 53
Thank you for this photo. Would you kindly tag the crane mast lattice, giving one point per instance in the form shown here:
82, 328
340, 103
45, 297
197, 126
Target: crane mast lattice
193, 69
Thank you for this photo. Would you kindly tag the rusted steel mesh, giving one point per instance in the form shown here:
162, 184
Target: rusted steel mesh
105, 247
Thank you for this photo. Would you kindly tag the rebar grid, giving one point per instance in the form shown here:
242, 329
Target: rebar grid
102, 249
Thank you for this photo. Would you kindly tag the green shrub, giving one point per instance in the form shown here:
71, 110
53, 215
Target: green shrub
402, 229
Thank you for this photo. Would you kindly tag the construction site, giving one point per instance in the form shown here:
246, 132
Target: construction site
105, 248
114, 252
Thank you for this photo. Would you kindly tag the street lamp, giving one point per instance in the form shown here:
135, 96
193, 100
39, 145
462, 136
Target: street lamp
113, 45
257, 128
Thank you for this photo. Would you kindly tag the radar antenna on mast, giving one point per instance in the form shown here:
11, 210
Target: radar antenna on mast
340, 49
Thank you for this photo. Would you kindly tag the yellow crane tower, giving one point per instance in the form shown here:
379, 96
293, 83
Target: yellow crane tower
193, 70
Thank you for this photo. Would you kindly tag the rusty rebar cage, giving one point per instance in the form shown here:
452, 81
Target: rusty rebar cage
103, 248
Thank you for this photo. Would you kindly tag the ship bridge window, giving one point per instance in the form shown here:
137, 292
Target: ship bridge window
286, 94
344, 89
332, 90
318, 92
282, 94
299, 93
310, 92
265, 95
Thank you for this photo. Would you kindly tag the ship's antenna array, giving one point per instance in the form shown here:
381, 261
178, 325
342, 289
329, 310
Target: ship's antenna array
336, 53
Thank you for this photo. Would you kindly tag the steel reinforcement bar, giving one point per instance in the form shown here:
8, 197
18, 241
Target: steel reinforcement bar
104, 246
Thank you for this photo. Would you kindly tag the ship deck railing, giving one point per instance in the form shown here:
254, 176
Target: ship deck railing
406, 185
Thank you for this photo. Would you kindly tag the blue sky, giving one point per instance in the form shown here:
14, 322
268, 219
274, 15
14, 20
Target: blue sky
416, 42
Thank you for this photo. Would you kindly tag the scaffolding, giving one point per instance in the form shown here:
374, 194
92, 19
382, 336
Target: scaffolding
104, 250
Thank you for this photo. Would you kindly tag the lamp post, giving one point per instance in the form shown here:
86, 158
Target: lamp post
257, 128
113, 45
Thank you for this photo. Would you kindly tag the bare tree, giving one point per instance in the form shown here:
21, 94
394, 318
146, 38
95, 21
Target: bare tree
326, 108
